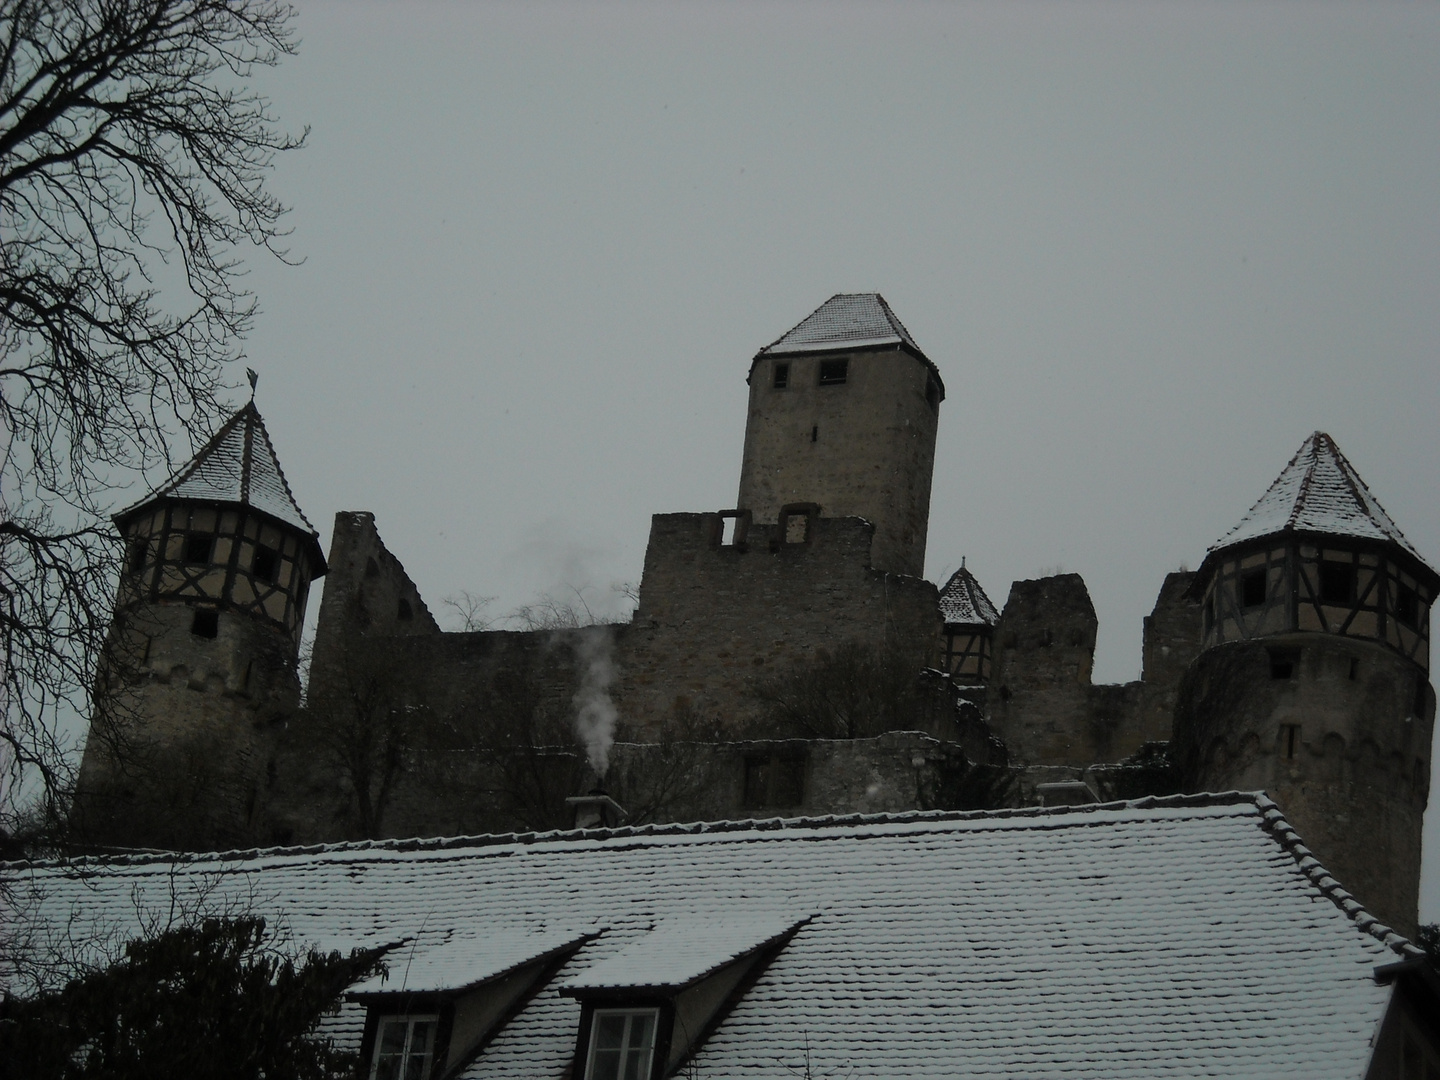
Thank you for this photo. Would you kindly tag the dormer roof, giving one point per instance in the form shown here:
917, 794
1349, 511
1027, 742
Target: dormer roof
848, 322
237, 466
963, 602
1320, 493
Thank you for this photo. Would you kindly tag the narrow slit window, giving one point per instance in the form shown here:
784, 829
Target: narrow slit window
815, 433
138, 552
1252, 588
267, 562
834, 372
199, 547
782, 376
1337, 583
1289, 740
1406, 606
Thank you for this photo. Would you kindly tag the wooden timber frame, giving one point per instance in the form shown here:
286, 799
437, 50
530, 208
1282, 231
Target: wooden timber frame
966, 652
1324, 584
253, 563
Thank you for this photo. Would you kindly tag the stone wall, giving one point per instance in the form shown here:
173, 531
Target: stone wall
862, 449
1337, 732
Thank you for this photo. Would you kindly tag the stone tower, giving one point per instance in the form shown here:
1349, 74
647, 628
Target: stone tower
1312, 681
843, 413
200, 663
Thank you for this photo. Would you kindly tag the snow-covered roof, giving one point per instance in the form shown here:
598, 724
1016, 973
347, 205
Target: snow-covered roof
1173, 937
453, 957
848, 321
238, 465
963, 601
1318, 492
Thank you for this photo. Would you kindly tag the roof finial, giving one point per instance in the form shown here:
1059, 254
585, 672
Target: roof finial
254, 378
962, 562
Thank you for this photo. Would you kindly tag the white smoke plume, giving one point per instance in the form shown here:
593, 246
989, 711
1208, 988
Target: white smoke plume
595, 713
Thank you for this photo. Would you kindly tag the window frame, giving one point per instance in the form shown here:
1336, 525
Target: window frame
657, 1015
829, 378
410, 1020
780, 375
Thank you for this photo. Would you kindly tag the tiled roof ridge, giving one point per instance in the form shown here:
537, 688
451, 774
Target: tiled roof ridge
189, 468
279, 469
1272, 820
640, 832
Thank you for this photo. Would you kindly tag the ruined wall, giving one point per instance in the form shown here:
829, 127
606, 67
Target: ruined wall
713, 619
1172, 638
1338, 732
865, 448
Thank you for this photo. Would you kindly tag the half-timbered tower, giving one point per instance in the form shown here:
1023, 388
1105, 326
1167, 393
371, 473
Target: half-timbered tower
1312, 681
843, 415
967, 641
201, 660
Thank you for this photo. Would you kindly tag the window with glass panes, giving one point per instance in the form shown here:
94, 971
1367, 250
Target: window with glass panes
622, 1044
404, 1048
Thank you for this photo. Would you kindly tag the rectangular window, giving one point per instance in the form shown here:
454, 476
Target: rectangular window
404, 1048
198, 547
782, 376
1289, 740
774, 782
138, 551
1406, 606
1283, 663
267, 561
1252, 588
205, 623
834, 372
1337, 583
622, 1043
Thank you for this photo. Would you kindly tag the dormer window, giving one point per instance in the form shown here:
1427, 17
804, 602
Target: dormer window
404, 1048
622, 1044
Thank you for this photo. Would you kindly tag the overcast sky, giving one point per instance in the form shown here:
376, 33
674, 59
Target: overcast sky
1150, 248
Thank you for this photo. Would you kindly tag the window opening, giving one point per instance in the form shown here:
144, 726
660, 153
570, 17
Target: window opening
1337, 583
1289, 739
1252, 588
1421, 683
198, 547
266, 563
405, 613
622, 1043
1283, 662
932, 394
1406, 606
404, 1048
372, 568
815, 433
1354, 669
1210, 613
138, 550
834, 372
774, 781
727, 531
782, 376
205, 623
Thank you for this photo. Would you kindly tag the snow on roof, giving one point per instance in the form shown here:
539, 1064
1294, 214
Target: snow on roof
1181, 936
847, 321
1318, 492
680, 951
963, 601
455, 957
238, 465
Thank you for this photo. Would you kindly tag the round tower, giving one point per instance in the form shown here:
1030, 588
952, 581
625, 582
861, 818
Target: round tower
843, 413
1312, 682
201, 659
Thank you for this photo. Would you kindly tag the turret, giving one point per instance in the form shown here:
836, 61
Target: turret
1312, 681
843, 413
200, 663
967, 646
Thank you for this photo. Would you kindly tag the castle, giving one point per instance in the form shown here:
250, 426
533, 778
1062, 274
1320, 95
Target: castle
785, 657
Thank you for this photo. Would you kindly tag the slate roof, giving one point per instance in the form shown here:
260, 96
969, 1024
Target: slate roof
238, 465
1319, 491
1176, 937
963, 601
848, 321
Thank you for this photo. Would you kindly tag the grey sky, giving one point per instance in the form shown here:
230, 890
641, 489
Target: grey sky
1150, 247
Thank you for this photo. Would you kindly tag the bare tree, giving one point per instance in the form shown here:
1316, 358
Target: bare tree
471, 610
133, 158
855, 692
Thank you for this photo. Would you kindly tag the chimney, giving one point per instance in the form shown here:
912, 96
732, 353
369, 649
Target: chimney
596, 810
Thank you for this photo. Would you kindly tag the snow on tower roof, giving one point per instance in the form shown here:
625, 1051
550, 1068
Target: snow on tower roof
1185, 936
238, 465
848, 321
1318, 492
963, 601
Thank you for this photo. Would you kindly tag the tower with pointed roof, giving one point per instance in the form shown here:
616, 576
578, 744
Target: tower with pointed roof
843, 414
967, 645
201, 660
1313, 678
